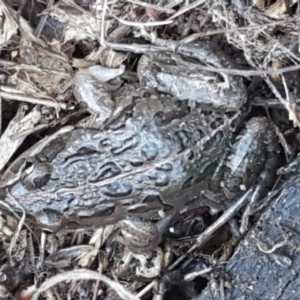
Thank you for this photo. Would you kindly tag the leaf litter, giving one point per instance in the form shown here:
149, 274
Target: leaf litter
43, 46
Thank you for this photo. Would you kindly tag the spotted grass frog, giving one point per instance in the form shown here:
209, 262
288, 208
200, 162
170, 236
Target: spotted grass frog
163, 153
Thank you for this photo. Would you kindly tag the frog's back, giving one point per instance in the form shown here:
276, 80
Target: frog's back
131, 167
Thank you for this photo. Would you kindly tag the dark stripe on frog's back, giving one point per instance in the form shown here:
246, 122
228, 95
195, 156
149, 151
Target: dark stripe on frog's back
168, 163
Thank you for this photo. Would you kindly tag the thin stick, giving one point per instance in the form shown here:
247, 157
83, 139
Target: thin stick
102, 39
186, 8
148, 5
146, 24
139, 48
207, 234
18, 97
83, 274
245, 72
197, 35
0, 116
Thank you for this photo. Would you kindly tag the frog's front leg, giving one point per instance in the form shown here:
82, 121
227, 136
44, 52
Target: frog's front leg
141, 235
92, 88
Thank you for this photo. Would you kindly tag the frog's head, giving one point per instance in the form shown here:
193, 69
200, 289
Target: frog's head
31, 172
33, 166
35, 174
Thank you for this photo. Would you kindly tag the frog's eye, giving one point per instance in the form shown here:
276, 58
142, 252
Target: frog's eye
36, 174
28, 167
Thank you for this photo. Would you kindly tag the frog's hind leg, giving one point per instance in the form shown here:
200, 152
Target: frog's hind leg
254, 159
264, 183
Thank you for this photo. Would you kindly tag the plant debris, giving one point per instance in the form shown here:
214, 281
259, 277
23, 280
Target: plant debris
49, 47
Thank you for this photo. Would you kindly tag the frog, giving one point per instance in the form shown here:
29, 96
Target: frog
161, 154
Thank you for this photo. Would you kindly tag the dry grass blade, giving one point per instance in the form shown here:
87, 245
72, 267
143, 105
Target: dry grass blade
277, 9
23, 98
155, 7
97, 240
84, 274
8, 25
8, 145
146, 24
198, 35
15, 238
81, 24
290, 107
187, 8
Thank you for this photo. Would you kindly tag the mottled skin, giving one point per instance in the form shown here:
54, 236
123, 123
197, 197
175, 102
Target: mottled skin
140, 162
156, 157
